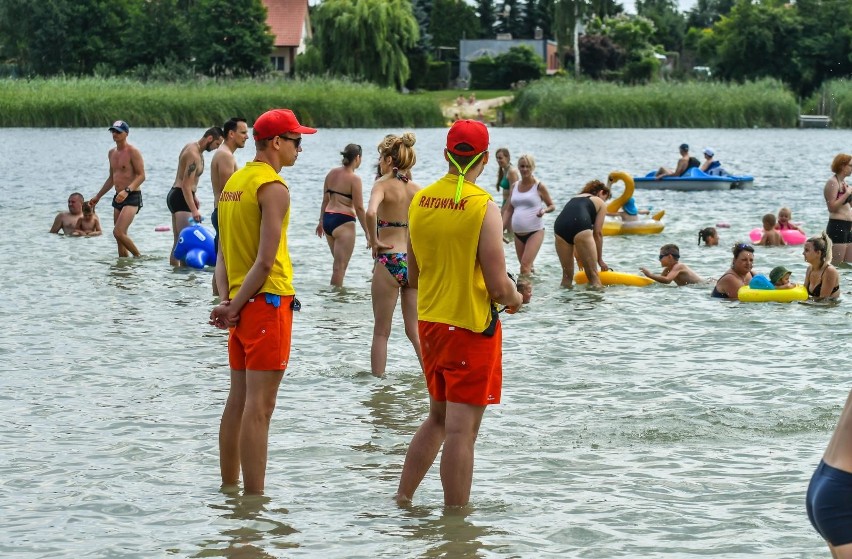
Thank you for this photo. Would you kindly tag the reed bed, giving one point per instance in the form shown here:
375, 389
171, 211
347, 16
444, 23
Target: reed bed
90, 102
834, 99
565, 103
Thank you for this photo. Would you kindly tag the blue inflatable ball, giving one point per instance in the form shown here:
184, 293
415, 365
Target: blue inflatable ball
760, 282
195, 247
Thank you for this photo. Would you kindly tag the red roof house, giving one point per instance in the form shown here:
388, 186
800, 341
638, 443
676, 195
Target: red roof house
291, 26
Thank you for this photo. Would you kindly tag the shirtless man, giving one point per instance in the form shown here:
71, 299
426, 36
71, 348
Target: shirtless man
67, 221
222, 166
126, 175
181, 200
673, 270
683, 164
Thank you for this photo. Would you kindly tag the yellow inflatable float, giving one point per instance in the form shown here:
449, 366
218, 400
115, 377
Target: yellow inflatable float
615, 226
749, 295
615, 278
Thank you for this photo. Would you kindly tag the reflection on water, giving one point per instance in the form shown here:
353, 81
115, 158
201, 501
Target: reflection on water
249, 529
449, 534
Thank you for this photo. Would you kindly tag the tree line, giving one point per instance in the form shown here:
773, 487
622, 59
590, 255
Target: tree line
414, 42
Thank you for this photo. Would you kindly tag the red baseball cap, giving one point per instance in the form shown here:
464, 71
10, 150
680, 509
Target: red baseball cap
276, 122
471, 132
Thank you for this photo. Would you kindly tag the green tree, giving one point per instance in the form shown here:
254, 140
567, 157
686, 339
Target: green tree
158, 32
67, 36
366, 38
451, 20
758, 40
707, 12
230, 37
669, 23
487, 18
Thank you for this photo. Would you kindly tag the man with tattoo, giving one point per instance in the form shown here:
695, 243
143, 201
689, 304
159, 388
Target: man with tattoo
182, 201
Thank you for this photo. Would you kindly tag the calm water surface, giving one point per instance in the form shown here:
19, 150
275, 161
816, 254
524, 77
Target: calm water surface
649, 422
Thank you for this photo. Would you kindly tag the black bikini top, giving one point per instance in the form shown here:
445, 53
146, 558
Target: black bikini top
330, 191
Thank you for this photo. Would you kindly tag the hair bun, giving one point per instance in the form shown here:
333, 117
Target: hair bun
408, 139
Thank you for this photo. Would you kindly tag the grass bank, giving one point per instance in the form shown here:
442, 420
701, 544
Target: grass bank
93, 102
565, 103
834, 99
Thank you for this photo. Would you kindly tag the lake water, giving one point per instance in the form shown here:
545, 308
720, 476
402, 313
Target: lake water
641, 422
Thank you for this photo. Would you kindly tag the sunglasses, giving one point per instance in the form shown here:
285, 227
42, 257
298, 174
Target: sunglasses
744, 246
296, 141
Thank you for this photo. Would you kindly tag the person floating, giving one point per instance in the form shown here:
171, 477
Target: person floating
673, 269
66, 222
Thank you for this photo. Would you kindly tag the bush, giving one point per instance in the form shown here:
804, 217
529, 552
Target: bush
599, 54
483, 73
564, 103
642, 70
521, 63
437, 75
309, 63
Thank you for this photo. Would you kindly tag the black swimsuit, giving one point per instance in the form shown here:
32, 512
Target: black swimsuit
330, 191
815, 291
719, 294
578, 215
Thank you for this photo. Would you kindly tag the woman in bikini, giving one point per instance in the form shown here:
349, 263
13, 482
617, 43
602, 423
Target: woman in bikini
507, 175
838, 197
821, 280
528, 201
342, 200
387, 228
738, 275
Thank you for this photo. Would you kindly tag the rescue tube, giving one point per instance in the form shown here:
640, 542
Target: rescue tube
749, 295
615, 226
790, 236
195, 247
615, 278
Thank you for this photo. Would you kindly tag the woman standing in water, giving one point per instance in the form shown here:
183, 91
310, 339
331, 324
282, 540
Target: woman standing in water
838, 197
342, 200
528, 201
387, 227
580, 227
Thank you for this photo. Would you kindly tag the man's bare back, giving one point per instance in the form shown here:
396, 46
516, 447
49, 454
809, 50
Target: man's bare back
223, 165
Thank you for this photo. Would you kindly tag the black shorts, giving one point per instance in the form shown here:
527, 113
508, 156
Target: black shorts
176, 202
839, 231
134, 198
215, 219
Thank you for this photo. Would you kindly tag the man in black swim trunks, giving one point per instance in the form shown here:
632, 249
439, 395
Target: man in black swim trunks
181, 200
126, 174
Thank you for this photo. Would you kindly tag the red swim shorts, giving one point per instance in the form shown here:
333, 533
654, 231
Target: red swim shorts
461, 366
261, 339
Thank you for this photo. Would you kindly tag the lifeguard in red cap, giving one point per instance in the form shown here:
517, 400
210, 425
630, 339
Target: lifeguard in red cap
456, 261
255, 280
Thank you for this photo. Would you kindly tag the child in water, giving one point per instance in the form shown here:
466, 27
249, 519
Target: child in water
709, 236
771, 237
784, 217
673, 270
89, 225
629, 211
780, 278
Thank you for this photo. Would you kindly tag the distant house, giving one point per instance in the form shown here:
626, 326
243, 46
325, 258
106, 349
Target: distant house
471, 49
291, 26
